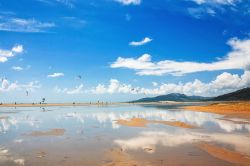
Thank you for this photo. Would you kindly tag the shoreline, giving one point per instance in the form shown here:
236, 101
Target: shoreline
55, 104
227, 108
95, 104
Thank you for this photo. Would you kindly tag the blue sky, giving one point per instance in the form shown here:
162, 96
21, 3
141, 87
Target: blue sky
119, 50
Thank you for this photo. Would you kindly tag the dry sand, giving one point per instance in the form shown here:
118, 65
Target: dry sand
140, 122
225, 154
226, 108
52, 132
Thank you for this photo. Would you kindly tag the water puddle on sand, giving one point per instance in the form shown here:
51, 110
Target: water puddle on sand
52, 132
121, 135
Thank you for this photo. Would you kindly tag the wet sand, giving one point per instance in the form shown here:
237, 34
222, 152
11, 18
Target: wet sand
41, 154
239, 109
118, 157
92, 136
140, 122
52, 132
225, 154
3, 117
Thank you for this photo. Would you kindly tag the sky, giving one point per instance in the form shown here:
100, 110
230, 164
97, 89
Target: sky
121, 50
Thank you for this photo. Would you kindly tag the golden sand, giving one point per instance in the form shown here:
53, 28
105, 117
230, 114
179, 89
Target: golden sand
225, 154
140, 122
52, 132
134, 122
227, 108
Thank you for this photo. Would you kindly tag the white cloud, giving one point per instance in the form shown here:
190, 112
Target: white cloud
68, 3
216, 2
23, 25
114, 87
6, 54
213, 7
54, 75
142, 42
17, 49
7, 86
129, 2
223, 83
200, 11
237, 58
17, 68
76, 90
155, 83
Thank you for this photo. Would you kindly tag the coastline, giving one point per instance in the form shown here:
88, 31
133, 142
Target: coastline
54, 104
233, 108
95, 104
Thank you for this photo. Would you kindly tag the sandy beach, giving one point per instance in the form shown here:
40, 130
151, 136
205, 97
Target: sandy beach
224, 108
122, 134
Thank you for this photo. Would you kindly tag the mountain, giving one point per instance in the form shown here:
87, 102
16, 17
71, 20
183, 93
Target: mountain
243, 94
172, 97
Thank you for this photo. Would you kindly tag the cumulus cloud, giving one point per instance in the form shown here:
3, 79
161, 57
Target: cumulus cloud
129, 2
114, 87
142, 42
54, 75
76, 90
17, 68
7, 86
23, 25
223, 83
6, 54
237, 58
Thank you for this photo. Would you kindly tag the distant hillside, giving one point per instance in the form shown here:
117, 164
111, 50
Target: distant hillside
172, 97
243, 94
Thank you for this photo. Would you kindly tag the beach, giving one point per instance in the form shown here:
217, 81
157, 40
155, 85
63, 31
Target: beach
120, 134
240, 108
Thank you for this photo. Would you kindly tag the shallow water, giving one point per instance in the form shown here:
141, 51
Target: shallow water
90, 136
